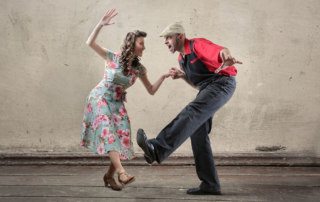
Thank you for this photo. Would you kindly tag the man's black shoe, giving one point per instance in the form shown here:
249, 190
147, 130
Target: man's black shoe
146, 146
198, 191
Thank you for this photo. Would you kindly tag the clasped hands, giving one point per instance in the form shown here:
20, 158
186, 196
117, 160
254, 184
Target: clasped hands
174, 73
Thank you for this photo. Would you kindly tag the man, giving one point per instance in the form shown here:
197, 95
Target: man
209, 68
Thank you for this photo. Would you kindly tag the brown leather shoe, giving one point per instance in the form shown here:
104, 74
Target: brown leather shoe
110, 182
125, 178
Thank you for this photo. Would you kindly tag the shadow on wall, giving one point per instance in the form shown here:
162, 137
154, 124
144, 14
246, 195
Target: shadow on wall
270, 148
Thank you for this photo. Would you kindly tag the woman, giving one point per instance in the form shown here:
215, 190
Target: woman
106, 125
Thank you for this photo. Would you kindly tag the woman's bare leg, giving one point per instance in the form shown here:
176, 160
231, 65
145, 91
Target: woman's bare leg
115, 162
123, 176
111, 170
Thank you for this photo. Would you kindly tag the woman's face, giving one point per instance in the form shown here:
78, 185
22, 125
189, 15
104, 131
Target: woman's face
139, 46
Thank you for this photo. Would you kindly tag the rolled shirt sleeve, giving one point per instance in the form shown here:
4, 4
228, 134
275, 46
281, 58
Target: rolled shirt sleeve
208, 53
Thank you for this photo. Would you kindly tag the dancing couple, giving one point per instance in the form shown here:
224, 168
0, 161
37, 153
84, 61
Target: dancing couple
106, 124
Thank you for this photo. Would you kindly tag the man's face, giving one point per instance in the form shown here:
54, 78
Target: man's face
173, 42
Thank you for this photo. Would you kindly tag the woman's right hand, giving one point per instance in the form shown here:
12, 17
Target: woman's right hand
107, 17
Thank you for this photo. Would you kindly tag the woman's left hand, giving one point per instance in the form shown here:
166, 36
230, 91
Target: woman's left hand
166, 75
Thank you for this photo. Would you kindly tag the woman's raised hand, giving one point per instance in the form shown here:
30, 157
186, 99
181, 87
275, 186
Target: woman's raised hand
107, 17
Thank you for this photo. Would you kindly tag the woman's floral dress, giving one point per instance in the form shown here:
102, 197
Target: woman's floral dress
106, 125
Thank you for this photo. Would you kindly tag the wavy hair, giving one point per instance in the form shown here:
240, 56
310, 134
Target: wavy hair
127, 50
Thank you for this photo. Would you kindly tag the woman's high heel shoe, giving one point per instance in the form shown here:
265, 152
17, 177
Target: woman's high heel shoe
110, 181
125, 178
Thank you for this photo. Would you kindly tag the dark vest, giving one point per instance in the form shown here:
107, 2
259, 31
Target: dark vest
195, 70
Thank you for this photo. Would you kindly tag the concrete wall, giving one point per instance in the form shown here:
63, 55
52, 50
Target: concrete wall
47, 71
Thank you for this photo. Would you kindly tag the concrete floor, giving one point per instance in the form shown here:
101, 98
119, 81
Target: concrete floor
157, 183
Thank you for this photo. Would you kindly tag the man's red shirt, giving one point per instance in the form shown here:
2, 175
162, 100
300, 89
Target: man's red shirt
209, 54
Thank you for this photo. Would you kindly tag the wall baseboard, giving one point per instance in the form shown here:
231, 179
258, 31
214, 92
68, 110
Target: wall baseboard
89, 159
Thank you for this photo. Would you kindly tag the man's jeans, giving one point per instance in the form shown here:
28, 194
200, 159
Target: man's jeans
195, 121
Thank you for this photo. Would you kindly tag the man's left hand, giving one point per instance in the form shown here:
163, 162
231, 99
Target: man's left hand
227, 61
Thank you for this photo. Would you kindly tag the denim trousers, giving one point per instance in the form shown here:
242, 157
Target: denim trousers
195, 121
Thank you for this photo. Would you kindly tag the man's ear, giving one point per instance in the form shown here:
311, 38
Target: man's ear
180, 36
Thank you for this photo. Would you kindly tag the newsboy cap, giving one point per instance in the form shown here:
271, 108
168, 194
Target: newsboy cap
171, 29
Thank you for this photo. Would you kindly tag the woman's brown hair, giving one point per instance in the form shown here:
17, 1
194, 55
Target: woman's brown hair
127, 50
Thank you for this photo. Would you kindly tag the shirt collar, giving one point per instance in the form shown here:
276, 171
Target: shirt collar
187, 50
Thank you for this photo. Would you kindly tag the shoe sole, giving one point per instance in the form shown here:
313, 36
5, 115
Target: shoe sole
203, 193
129, 182
143, 146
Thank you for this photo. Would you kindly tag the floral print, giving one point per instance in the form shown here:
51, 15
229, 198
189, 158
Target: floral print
106, 125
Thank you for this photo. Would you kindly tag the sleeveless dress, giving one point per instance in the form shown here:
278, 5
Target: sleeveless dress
106, 125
